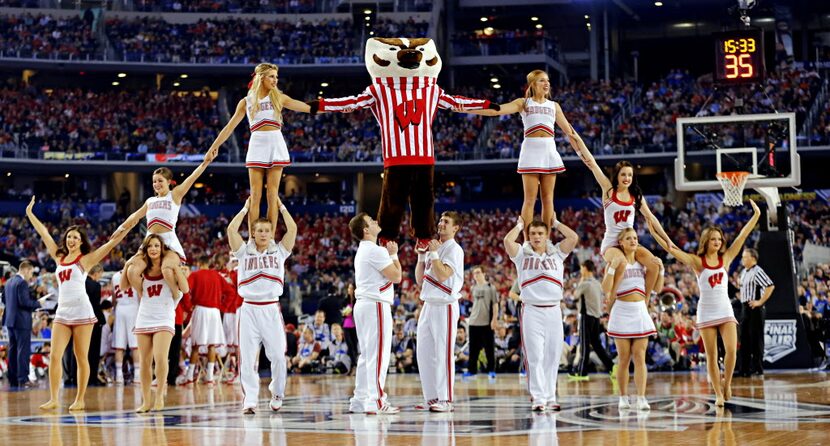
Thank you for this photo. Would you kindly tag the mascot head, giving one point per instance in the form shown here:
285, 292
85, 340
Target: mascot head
401, 57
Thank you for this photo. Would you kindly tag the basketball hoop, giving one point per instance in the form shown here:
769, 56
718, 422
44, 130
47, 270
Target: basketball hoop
733, 187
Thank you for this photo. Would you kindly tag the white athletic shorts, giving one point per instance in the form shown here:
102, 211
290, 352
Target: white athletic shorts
229, 324
539, 156
125, 318
206, 327
630, 320
267, 149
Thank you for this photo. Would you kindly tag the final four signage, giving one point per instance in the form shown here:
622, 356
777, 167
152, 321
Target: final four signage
779, 339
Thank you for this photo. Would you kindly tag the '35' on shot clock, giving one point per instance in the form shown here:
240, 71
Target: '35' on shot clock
739, 56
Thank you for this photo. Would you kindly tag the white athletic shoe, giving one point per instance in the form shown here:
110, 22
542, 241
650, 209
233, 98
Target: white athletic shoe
276, 403
441, 406
642, 404
426, 405
386, 409
624, 404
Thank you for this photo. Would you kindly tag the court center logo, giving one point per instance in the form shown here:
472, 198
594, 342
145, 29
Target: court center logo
779, 339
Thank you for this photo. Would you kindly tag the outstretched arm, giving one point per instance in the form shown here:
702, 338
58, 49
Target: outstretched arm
223, 135
671, 248
463, 103
563, 124
41, 229
295, 105
180, 190
571, 237
739, 241
587, 158
509, 108
93, 258
346, 104
654, 226
510, 244
290, 236
234, 239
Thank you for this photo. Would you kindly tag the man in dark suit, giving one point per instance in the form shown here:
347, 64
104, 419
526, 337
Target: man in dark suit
93, 290
18, 320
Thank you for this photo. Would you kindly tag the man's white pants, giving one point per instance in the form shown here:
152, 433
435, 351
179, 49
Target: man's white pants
373, 321
261, 325
542, 341
437, 327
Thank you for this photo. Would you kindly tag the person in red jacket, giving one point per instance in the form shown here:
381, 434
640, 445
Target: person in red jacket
206, 330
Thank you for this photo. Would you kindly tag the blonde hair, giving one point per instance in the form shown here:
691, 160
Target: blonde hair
532, 77
621, 236
704, 240
274, 95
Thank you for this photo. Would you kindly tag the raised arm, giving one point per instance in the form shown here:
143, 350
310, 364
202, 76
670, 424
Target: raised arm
41, 229
393, 271
510, 244
582, 150
464, 103
234, 239
739, 241
226, 132
571, 237
181, 280
420, 267
91, 259
181, 190
295, 105
654, 226
290, 236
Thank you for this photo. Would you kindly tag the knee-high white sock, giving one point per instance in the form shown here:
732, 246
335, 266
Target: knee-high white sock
119, 371
210, 370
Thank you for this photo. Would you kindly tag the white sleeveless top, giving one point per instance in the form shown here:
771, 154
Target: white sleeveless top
713, 282
537, 116
448, 291
157, 302
634, 280
71, 283
260, 276
265, 115
123, 297
162, 211
540, 276
618, 215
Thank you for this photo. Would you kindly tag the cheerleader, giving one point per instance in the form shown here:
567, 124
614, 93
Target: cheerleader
267, 152
714, 311
539, 161
155, 323
74, 317
629, 322
622, 197
162, 212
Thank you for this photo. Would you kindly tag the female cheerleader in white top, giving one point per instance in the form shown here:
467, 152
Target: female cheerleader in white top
714, 312
539, 162
629, 322
74, 317
162, 212
155, 323
622, 197
267, 152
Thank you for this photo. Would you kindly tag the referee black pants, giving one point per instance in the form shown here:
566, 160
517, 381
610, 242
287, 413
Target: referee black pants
482, 336
590, 329
751, 353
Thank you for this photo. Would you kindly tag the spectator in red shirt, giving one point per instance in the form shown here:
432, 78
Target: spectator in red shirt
206, 330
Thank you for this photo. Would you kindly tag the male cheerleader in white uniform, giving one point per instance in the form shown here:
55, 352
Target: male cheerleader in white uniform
126, 311
440, 273
260, 284
376, 269
540, 278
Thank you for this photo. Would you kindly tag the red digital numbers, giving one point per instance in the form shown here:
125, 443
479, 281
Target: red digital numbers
738, 66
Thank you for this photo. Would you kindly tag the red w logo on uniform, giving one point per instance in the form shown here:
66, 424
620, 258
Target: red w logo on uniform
715, 279
621, 216
64, 275
410, 112
154, 290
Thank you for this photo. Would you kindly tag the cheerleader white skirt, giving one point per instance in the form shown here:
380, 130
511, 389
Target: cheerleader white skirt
156, 314
172, 243
267, 149
539, 156
714, 312
75, 310
206, 327
630, 320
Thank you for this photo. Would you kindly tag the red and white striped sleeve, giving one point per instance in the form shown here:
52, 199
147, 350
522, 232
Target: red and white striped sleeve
460, 102
348, 104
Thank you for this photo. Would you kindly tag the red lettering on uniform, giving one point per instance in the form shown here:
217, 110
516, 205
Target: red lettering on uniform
64, 275
154, 290
715, 279
621, 216
410, 112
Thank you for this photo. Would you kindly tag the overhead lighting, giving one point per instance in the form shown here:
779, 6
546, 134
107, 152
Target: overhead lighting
122, 74
587, 17
684, 25
496, 86
658, 3
183, 76
66, 175
176, 84
764, 20
371, 33
483, 19
494, 79
316, 174
367, 18
534, 19
538, 26
116, 83
320, 92
8, 174
324, 84
199, 185
367, 11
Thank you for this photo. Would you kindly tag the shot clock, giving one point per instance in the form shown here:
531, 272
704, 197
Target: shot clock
739, 56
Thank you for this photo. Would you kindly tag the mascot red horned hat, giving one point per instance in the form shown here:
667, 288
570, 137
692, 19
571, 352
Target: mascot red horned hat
404, 96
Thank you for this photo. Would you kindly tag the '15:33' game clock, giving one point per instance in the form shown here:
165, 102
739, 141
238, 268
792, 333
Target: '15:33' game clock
739, 56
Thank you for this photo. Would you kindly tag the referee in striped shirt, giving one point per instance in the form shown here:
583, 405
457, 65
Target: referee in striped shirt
756, 289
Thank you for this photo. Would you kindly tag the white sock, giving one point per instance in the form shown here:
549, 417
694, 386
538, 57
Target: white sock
119, 370
190, 371
210, 370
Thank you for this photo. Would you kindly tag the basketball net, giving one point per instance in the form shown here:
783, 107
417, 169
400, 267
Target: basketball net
733, 187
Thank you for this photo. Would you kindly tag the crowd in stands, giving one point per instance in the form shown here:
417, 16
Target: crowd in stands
19, 3
318, 283
236, 6
821, 128
502, 42
115, 123
233, 41
44, 36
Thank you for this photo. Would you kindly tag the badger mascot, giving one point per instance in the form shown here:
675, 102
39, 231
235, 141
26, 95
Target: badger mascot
404, 96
